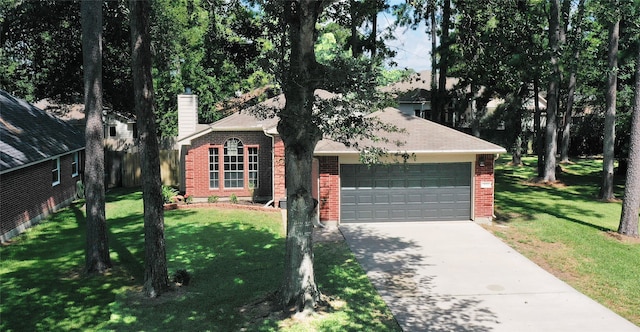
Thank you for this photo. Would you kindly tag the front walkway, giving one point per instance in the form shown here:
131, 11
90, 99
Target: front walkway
456, 276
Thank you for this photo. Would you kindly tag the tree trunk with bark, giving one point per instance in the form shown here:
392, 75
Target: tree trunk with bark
606, 190
537, 124
434, 65
568, 114
631, 199
551, 133
97, 258
300, 136
156, 279
444, 62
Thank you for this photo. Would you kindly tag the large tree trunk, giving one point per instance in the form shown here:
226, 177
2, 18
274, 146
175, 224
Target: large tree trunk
631, 199
537, 124
434, 65
97, 258
568, 114
552, 95
444, 62
156, 279
300, 136
606, 190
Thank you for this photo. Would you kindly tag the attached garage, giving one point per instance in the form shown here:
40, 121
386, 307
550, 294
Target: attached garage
405, 192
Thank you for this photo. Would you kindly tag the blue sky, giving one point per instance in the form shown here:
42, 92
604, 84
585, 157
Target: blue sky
413, 47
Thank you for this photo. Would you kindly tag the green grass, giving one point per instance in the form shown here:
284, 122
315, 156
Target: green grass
235, 258
565, 229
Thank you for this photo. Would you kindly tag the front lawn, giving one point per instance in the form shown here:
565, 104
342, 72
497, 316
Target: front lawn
566, 230
235, 258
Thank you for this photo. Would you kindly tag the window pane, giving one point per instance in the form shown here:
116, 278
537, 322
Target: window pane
213, 168
233, 163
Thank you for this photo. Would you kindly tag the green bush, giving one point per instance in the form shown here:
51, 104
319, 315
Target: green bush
168, 193
233, 199
212, 199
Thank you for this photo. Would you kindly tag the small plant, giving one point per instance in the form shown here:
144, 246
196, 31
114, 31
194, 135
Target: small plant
168, 193
182, 277
212, 199
233, 199
252, 191
188, 199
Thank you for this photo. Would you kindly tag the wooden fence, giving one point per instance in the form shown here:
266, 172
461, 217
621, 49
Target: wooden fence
122, 168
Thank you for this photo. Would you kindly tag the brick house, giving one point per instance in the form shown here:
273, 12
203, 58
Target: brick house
449, 175
41, 161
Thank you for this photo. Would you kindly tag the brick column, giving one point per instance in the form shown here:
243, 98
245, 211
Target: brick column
329, 189
279, 189
484, 192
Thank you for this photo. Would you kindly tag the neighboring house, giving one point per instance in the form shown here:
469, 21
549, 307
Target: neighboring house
449, 175
120, 130
413, 97
120, 133
41, 161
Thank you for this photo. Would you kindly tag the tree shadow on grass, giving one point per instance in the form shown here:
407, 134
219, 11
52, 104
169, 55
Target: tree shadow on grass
394, 267
43, 285
513, 194
230, 263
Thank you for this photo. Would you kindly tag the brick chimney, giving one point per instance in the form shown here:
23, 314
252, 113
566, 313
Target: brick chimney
187, 113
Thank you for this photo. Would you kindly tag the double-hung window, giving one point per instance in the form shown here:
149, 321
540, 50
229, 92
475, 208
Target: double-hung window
75, 164
214, 168
233, 164
55, 171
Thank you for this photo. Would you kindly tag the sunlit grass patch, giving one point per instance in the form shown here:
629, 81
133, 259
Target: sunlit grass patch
567, 230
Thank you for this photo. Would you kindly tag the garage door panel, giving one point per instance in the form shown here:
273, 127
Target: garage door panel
413, 192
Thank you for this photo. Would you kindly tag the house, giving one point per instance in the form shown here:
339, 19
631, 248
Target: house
413, 97
120, 132
41, 163
448, 177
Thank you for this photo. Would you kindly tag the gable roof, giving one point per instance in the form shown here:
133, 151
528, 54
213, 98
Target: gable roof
417, 135
417, 87
29, 135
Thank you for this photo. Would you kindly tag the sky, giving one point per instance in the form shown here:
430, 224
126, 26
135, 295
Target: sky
413, 47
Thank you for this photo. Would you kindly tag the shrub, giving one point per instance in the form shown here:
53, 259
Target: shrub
212, 199
168, 193
233, 199
188, 199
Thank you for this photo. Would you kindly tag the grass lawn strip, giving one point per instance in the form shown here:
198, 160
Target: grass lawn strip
566, 230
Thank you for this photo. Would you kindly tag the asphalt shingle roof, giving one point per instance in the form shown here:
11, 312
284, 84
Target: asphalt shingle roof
29, 135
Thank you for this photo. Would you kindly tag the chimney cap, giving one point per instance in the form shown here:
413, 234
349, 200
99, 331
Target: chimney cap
187, 90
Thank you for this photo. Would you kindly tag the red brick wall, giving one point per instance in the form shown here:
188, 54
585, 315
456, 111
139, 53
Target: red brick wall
279, 189
197, 164
28, 193
329, 189
483, 201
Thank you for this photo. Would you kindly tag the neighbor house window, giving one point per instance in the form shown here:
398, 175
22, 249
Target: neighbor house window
214, 167
55, 171
112, 131
253, 167
75, 164
233, 164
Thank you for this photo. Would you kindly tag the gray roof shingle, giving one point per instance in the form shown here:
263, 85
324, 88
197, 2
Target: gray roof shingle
29, 135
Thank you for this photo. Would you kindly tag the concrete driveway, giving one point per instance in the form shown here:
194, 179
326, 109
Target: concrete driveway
456, 276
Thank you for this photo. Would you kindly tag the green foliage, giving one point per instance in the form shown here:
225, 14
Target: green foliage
168, 194
212, 199
233, 199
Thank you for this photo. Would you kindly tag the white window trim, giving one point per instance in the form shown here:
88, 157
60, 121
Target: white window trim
57, 169
76, 161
